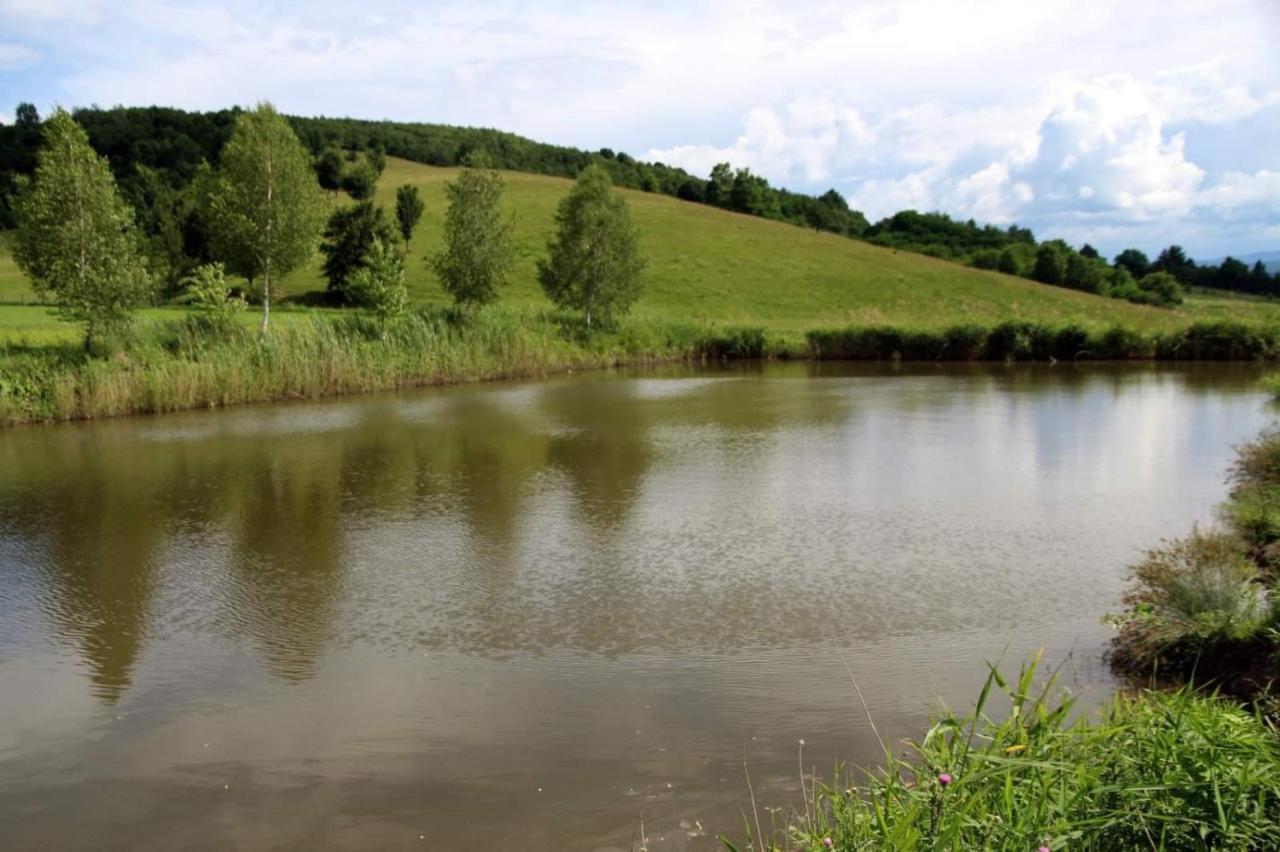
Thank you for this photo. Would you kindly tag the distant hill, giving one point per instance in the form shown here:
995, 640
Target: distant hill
1270, 260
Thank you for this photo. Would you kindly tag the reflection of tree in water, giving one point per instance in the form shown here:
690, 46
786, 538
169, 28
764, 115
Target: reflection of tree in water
286, 569
101, 527
602, 446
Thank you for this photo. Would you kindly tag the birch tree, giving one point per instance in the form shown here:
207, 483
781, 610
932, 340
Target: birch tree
267, 207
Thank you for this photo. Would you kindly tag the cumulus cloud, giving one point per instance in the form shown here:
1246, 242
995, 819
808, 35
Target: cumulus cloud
1079, 117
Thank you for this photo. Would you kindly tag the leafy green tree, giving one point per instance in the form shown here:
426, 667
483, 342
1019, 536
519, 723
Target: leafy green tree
26, 115
1051, 266
76, 239
1175, 261
360, 181
593, 263
329, 170
1135, 261
409, 209
379, 284
209, 293
720, 188
478, 254
1089, 252
348, 239
377, 160
162, 215
1163, 287
1083, 273
1008, 263
266, 206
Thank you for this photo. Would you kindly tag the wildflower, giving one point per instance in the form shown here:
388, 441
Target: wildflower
1014, 749
826, 841
944, 779
1043, 849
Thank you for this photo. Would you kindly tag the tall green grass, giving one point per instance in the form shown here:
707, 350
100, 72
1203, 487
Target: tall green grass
186, 364
1157, 770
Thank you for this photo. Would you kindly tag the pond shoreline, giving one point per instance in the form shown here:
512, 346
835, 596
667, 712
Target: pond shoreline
188, 366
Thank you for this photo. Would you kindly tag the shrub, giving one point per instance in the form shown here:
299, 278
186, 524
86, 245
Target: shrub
735, 343
209, 293
1186, 598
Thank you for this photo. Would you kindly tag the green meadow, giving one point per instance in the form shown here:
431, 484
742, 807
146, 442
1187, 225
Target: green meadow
716, 268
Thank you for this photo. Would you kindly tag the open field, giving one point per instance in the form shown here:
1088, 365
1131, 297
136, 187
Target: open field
718, 268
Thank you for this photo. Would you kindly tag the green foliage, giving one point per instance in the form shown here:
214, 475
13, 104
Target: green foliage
478, 254
266, 207
164, 216
1172, 771
1162, 287
348, 239
378, 285
217, 304
1186, 598
1051, 266
409, 209
1134, 262
593, 263
76, 239
360, 181
377, 160
329, 168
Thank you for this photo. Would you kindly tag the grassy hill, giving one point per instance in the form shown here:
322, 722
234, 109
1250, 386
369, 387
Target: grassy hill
720, 268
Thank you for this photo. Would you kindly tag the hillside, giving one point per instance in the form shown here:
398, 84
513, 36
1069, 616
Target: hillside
722, 268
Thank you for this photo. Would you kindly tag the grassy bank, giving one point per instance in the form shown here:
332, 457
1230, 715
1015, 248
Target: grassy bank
1157, 770
173, 360
182, 364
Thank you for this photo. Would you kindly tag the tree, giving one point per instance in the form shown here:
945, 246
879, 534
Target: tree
377, 160
1162, 287
162, 212
478, 255
266, 206
1175, 261
329, 170
26, 115
720, 187
1089, 251
76, 239
1083, 273
1008, 263
360, 181
1051, 267
1135, 261
409, 209
379, 284
593, 263
348, 239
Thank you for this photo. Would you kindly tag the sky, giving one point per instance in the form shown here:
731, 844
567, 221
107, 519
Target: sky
1127, 123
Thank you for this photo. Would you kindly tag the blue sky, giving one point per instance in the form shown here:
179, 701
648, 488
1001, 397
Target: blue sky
1136, 122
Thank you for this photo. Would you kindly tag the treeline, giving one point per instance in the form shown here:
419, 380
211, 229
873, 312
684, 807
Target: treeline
1131, 275
146, 145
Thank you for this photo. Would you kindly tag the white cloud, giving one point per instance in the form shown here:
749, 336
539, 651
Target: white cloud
1068, 114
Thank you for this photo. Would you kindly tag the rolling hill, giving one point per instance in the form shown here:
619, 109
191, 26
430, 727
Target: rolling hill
723, 268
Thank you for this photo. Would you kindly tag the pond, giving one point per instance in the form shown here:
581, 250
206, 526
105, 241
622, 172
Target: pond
557, 614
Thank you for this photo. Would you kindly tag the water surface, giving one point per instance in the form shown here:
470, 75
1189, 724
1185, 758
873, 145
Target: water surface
540, 615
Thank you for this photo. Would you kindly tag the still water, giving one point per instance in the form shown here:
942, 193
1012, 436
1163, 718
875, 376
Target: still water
544, 615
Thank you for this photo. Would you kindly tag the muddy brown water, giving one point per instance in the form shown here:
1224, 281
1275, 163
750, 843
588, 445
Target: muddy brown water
543, 615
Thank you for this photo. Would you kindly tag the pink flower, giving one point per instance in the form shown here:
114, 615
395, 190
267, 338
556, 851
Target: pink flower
826, 841
1043, 849
944, 779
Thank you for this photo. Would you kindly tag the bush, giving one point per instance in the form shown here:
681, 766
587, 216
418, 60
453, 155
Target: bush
734, 343
218, 305
1186, 598
1219, 340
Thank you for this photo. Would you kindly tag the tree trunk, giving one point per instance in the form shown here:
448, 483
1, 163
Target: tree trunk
266, 299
